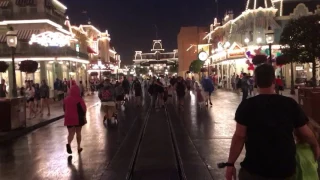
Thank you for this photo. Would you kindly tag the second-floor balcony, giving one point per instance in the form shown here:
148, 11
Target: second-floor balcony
26, 50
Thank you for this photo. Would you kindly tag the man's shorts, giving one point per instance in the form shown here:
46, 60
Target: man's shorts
110, 103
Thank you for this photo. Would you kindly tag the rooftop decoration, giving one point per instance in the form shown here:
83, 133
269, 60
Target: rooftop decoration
49, 38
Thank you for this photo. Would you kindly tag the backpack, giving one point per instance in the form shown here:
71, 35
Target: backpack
105, 94
180, 88
137, 86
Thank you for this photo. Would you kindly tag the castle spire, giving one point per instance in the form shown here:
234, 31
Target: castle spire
255, 4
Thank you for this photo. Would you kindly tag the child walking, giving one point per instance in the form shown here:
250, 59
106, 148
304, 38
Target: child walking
200, 96
306, 165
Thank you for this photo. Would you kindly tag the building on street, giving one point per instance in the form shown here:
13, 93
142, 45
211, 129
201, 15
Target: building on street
237, 37
158, 61
46, 35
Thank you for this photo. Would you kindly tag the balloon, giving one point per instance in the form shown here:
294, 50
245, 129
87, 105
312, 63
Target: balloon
267, 52
278, 54
248, 53
251, 56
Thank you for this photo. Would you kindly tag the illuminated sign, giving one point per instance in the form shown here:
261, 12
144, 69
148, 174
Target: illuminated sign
50, 39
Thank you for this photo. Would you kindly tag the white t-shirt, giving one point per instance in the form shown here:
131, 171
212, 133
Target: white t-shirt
30, 92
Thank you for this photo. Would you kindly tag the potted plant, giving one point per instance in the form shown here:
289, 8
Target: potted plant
3, 66
28, 66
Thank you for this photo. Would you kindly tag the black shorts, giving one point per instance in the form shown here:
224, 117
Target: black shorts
120, 98
30, 100
74, 126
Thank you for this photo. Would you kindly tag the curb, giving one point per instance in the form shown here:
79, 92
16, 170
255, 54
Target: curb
14, 134
20, 132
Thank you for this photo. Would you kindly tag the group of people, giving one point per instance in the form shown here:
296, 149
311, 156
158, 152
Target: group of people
37, 96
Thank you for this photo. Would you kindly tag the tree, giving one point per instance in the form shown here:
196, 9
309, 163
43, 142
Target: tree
301, 41
196, 66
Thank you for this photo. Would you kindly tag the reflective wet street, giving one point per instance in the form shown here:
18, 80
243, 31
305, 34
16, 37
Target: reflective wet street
42, 155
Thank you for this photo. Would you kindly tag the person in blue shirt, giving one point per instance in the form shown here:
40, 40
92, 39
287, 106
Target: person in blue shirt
208, 88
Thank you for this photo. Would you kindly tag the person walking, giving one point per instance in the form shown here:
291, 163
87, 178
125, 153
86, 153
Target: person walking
126, 87
180, 87
107, 97
30, 100
82, 89
44, 95
208, 88
137, 91
3, 89
74, 116
245, 86
265, 125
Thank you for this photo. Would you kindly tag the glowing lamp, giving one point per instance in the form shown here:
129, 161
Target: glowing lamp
246, 40
270, 37
12, 39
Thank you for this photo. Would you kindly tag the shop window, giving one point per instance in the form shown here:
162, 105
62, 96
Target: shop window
23, 10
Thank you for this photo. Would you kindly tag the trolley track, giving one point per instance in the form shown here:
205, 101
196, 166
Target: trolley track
176, 159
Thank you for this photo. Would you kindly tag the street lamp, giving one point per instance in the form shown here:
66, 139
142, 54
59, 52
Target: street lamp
259, 40
12, 42
246, 40
100, 66
270, 40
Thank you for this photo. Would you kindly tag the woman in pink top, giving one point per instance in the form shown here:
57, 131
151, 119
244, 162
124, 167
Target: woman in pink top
74, 116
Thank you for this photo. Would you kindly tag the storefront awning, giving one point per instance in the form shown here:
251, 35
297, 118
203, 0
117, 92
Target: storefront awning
90, 50
22, 34
26, 2
4, 4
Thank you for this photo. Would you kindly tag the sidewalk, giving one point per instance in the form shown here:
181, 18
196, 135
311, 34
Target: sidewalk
40, 121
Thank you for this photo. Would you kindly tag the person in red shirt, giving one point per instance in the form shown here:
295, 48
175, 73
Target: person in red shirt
279, 85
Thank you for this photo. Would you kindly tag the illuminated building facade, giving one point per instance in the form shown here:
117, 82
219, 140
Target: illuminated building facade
234, 37
158, 61
46, 35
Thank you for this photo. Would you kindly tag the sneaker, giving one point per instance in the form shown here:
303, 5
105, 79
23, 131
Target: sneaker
69, 151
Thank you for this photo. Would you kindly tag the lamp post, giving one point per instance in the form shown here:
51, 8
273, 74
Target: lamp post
100, 66
270, 40
12, 42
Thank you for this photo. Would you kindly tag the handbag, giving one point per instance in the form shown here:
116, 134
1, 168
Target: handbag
82, 115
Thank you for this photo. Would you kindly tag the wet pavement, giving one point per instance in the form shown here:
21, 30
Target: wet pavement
42, 155
203, 139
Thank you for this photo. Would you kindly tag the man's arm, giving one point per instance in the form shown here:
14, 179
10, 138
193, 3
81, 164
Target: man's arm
237, 143
305, 133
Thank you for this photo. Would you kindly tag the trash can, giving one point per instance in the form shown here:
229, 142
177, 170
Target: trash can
13, 113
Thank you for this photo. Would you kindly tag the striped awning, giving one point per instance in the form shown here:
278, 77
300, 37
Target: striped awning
26, 2
4, 4
23, 35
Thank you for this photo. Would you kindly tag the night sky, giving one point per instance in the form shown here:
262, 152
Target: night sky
132, 23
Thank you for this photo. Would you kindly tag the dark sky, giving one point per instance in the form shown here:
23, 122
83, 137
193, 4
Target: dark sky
131, 23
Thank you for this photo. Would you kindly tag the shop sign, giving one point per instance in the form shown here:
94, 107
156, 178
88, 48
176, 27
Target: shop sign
299, 68
50, 39
236, 54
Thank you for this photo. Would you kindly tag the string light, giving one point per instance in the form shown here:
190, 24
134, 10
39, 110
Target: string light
50, 39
